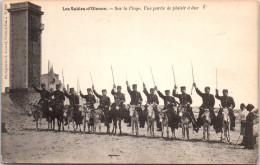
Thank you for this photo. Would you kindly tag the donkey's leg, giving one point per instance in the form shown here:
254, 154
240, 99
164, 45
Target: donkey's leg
132, 123
68, 125
228, 130
183, 132
36, 123
162, 130
148, 125
204, 131
137, 127
152, 128
84, 124
115, 125
99, 124
120, 128
188, 131
208, 131
167, 131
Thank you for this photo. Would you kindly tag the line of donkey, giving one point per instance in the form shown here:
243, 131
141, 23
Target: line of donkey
83, 117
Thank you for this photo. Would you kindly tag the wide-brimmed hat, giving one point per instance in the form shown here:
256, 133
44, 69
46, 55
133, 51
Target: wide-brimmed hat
250, 107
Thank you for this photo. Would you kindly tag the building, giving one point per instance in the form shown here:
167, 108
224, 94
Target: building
50, 79
25, 45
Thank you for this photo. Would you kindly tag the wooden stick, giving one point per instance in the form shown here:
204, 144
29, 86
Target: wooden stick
174, 76
113, 74
192, 77
152, 75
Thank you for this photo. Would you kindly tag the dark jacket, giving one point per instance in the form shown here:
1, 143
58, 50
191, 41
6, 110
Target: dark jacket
208, 100
89, 99
183, 98
136, 97
226, 102
167, 99
59, 96
74, 99
104, 100
151, 98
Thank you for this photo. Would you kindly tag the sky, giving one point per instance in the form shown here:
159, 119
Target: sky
222, 37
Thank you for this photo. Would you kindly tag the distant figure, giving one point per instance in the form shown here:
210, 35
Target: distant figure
243, 113
249, 138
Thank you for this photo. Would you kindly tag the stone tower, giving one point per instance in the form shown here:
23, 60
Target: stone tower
25, 45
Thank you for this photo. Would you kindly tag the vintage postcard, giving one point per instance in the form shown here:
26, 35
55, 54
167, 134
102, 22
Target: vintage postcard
171, 81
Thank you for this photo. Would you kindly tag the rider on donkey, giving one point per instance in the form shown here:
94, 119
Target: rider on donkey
185, 99
151, 99
59, 99
169, 102
119, 98
90, 101
136, 99
45, 98
208, 102
74, 103
104, 105
226, 102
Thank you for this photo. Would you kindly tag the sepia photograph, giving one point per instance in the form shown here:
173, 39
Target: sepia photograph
129, 82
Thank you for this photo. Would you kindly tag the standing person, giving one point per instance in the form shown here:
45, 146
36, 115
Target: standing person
243, 113
185, 99
104, 105
90, 98
152, 98
208, 102
226, 102
74, 103
249, 138
45, 98
169, 102
136, 99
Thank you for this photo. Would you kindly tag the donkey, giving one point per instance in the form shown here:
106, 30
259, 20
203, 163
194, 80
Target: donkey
70, 114
116, 115
150, 119
185, 120
85, 110
206, 120
225, 125
36, 110
58, 114
164, 119
96, 114
134, 118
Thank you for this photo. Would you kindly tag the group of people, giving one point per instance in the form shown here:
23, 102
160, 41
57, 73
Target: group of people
208, 102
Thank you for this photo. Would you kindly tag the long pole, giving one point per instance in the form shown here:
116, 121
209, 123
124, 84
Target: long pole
140, 76
192, 77
77, 85
48, 75
63, 78
113, 74
91, 79
174, 76
216, 78
152, 75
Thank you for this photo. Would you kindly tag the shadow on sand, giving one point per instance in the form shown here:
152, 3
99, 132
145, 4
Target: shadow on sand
231, 145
